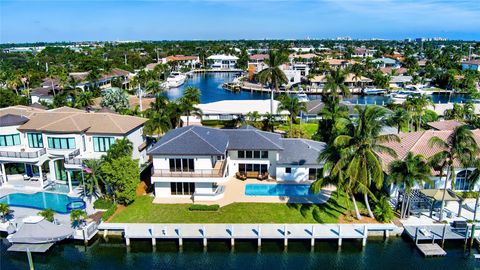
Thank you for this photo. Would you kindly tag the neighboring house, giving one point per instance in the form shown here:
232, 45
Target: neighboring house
237, 109
194, 162
363, 52
417, 142
394, 71
339, 63
386, 62
352, 82
49, 145
472, 65
400, 81
222, 62
445, 124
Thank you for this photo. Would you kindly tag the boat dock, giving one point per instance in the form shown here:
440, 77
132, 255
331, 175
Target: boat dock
430, 233
256, 232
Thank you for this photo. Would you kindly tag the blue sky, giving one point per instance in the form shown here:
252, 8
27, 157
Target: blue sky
70, 20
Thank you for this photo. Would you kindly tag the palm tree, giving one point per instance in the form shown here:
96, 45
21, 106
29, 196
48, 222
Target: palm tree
292, 105
460, 146
273, 75
47, 214
84, 100
352, 158
253, 116
412, 171
335, 83
418, 104
330, 114
77, 216
4, 210
399, 118
191, 97
93, 178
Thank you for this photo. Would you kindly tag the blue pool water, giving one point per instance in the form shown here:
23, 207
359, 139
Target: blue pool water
43, 200
291, 190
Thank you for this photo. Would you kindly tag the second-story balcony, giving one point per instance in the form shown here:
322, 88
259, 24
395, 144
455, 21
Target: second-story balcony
217, 171
22, 155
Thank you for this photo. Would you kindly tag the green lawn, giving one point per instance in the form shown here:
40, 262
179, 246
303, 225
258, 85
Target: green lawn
310, 128
144, 211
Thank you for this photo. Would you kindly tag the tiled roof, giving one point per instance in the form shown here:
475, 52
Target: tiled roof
261, 56
181, 58
417, 143
445, 124
350, 78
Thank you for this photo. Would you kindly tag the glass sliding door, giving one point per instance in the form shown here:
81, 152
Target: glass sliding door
60, 172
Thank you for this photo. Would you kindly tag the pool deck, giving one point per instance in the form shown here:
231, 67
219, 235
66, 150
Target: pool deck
235, 193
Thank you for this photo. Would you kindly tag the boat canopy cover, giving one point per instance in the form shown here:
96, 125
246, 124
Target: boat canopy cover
42, 231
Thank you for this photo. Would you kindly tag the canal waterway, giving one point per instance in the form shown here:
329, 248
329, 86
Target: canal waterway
392, 254
210, 85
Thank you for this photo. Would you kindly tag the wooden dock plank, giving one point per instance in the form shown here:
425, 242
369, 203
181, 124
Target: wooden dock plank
430, 250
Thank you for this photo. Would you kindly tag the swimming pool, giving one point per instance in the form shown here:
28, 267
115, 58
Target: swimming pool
59, 203
290, 190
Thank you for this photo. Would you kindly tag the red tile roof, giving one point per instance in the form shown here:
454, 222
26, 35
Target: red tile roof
445, 125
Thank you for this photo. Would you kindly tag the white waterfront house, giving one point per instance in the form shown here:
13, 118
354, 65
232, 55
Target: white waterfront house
222, 62
41, 148
234, 109
195, 162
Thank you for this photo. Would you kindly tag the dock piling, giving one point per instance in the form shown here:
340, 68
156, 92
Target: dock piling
416, 236
204, 237
127, 240
105, 233
312, 240
443, 234
154, 240
339, 235
259, 234
285, 234
365, 235
232, 240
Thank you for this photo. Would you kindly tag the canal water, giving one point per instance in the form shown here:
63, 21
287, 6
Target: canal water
392, 254
210, 85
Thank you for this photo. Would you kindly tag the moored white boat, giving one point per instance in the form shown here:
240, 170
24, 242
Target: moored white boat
176, 79
374, 91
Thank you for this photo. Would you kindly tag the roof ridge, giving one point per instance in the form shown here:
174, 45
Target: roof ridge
115, 123
205, 140
419, 138
56, 121
259, 133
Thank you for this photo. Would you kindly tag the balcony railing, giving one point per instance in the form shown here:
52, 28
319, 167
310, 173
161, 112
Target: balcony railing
12, 154
195, 173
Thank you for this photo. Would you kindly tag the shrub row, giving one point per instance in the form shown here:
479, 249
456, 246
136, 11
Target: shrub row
102, 203
202, 207
107, 214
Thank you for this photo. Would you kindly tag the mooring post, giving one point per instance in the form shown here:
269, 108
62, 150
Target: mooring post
466, 236
259, 234
180, 240
312, 240
285, 234
387, 233
105, 233
443, 234
433, 238
472, 236
154, 240
416, 235
232, 240
127, 240
204, 236
339, 235
365, 235
30, 260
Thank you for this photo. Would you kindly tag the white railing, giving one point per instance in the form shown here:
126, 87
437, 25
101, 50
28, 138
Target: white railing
16, 154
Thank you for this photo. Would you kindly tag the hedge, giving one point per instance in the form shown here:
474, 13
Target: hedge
202, 207
107, 214
102, 203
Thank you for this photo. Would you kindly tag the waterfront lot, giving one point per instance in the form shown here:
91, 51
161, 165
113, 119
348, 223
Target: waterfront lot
144, 211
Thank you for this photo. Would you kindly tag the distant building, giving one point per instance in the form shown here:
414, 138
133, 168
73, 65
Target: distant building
222, 61
386, 62
363, 52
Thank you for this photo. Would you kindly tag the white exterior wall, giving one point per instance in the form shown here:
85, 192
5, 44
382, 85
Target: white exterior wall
137, 139
234, 161
298, 174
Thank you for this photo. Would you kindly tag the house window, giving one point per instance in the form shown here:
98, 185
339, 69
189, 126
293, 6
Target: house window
314, 173
102, 144
9, 140
179, 188
288, 170
461, 182
61, 143
35, 140
244, 168
257, 154
182, 165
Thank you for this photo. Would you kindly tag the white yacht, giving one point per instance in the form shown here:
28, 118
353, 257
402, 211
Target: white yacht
302, 97
401, 96
176, 79
374, 91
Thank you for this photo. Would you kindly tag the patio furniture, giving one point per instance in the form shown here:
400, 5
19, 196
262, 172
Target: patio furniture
460, 225
262, 176
252, 174
241, 176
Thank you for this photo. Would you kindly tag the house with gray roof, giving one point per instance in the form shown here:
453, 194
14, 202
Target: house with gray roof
195, 162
